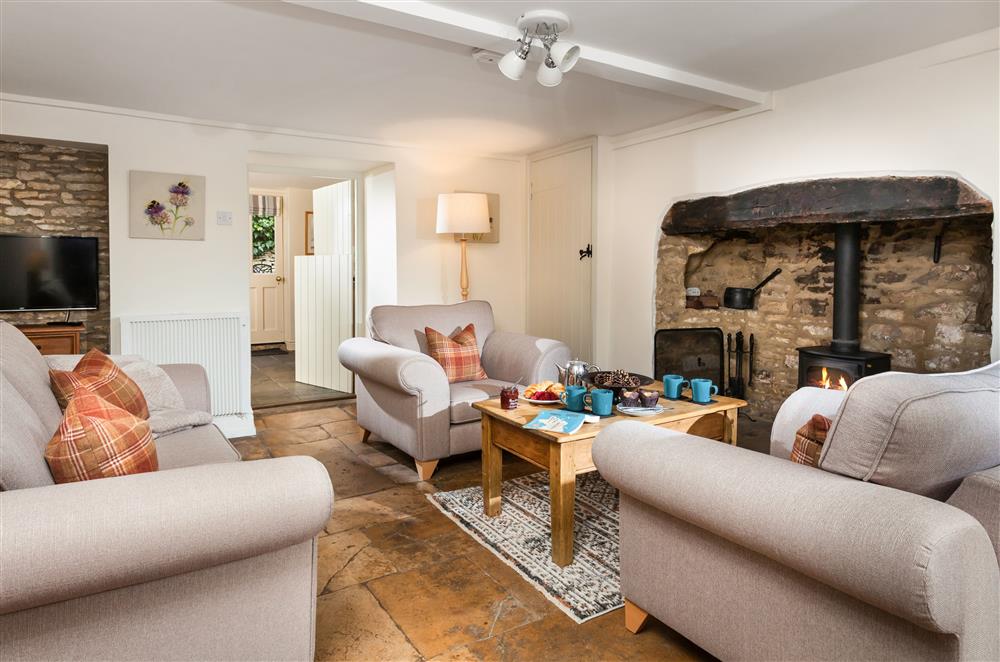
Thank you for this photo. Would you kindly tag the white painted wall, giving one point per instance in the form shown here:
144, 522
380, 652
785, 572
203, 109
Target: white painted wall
155, 276
380, 233
428, 264
935, 110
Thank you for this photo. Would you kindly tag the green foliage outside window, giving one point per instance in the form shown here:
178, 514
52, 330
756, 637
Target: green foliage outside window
263, 235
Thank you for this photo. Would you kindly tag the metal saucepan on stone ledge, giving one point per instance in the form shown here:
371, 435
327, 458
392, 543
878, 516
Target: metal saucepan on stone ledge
742, 298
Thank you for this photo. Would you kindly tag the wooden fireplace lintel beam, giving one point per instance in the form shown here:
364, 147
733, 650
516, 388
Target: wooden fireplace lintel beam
832, 200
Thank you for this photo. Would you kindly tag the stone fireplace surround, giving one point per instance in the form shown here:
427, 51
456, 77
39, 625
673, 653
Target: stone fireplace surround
932, 317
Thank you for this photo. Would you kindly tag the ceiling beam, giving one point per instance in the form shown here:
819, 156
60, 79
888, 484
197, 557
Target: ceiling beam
440, 22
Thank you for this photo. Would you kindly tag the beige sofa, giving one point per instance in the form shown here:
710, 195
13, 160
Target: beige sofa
889, 551
208, 558
404, 397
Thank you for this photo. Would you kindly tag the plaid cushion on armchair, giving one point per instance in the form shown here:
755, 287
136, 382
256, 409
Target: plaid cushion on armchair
458, 355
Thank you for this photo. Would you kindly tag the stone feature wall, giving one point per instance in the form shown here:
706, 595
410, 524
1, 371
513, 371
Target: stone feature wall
930, 317
53, 189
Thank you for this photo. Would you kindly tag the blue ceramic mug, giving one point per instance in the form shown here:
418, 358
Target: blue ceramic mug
673, 385
702, 390
572, 397
600, 400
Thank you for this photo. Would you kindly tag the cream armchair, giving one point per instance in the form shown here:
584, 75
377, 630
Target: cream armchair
404, 397
889, 550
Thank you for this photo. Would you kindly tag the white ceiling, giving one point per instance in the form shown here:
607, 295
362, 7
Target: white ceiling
275, 64
762, 45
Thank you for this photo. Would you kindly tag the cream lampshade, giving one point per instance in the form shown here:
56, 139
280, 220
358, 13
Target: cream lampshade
463, 213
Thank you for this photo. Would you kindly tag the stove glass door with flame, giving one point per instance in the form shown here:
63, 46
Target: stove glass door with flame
829, 377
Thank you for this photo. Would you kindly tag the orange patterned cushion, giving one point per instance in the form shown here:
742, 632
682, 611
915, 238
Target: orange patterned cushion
99, 440
809, 440
98, 373
458, 355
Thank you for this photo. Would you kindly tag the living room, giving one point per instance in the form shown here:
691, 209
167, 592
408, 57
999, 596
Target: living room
585, 184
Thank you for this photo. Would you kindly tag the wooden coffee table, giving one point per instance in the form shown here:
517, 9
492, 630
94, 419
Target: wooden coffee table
566, 455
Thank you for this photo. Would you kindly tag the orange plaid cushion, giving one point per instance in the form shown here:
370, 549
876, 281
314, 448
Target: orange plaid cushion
458, 355
99, 440
809, 440
98, 373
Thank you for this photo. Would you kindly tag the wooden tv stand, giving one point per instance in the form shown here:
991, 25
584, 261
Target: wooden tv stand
54, 338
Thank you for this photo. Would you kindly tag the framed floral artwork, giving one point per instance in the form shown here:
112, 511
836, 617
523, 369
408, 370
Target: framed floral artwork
166, 206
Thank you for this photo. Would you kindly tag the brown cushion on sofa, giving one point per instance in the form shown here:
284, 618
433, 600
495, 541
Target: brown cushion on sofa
98, 373
96, 439
918, 433
809, 440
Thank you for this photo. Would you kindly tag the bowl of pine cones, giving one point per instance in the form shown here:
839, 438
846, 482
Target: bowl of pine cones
616, 381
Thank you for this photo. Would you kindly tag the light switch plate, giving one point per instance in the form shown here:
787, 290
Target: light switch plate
223, 218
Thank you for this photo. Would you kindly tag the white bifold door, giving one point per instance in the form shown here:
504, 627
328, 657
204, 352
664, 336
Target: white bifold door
324, 290
560, 249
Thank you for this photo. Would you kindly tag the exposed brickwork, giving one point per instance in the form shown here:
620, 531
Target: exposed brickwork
57, 189
930, 317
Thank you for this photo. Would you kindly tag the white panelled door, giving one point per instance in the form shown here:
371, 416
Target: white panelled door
559, 281
324, 291
267, 285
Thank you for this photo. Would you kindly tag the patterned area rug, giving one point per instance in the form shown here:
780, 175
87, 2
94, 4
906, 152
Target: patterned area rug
521, 536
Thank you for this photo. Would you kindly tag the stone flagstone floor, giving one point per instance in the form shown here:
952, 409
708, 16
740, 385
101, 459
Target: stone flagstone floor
400, 581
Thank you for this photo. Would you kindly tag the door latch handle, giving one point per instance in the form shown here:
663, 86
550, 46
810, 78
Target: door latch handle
279, 279
586, 252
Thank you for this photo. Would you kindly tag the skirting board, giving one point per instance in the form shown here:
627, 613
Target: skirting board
236, 425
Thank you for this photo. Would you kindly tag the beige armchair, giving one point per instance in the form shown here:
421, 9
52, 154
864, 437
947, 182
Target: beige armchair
404, 397
876, 555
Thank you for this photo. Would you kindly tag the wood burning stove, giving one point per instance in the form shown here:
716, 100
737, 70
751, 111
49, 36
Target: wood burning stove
842, 362
821, 366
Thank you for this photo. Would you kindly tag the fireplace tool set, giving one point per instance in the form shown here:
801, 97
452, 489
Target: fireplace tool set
738, 355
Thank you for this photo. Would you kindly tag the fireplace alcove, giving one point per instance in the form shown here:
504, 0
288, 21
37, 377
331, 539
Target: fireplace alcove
930, 316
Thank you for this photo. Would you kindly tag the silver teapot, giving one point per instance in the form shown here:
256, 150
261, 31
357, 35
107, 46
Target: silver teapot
573, 372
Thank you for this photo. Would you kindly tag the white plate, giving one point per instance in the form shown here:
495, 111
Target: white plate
542, 402
640, 411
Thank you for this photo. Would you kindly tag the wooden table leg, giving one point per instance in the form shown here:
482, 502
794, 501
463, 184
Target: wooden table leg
492, 470
562, 494
729, 426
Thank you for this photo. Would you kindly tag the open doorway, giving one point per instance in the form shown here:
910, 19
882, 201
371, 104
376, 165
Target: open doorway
284, 211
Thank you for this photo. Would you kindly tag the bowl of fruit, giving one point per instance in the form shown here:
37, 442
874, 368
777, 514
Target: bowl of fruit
544, 393
616, 381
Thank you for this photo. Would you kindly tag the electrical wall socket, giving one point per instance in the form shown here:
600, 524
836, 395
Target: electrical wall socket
223, 218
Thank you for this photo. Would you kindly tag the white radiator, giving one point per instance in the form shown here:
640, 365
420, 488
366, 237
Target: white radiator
220, 342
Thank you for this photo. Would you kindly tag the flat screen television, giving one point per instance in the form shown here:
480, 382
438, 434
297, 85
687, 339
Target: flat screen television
48, 273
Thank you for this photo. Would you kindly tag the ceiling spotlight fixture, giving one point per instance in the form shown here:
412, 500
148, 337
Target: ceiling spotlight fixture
564, 54
543, 27
512, 64
549, 74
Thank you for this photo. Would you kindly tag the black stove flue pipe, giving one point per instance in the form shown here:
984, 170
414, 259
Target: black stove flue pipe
846, 288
